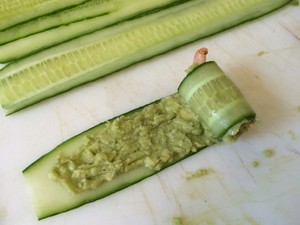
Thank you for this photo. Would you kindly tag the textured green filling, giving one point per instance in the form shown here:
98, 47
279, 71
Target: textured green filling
153, 137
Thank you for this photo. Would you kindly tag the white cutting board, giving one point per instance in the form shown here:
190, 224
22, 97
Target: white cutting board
263, 59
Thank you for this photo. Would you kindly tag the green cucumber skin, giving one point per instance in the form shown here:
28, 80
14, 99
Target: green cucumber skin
77, 21
139, 56
23, 13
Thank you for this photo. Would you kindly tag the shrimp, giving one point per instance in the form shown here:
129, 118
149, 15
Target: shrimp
199, 58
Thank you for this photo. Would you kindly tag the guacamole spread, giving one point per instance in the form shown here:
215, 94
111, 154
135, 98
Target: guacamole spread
152, 137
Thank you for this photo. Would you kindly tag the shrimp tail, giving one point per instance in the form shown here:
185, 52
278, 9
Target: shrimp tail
199, 58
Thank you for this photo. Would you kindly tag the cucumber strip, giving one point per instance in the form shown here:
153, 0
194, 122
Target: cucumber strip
59, 199
83, 11
13, 12
107, 13
58, 69
37, 42
224, 105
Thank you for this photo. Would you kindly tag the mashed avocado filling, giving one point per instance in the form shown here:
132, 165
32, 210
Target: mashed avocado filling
152, 137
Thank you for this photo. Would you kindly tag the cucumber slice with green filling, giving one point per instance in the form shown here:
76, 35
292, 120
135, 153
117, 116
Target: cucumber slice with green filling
17, 11
133, 146
68, 194
58, 69
71, 23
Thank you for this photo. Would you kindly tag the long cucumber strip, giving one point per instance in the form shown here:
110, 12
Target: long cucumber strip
50, 72
13, 12
224, 106
58, 199
107, 13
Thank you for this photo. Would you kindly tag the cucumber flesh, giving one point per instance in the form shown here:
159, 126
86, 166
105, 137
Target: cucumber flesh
59, 199
224, 105
82, 19
58, 69
13, 12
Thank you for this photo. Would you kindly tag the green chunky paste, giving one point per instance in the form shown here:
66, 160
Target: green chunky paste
152, 137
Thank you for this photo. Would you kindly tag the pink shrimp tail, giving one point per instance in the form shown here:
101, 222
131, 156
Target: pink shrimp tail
200, 56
